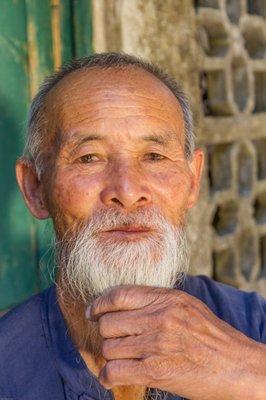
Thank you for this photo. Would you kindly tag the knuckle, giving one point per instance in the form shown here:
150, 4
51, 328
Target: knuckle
185, 303
183, 296
186, 311
150, 370
158, 344
106, 350
103, 325
122, 296
193, 307
93, 308
108, 373
188, 300
167, 319
116, 297
155, 367
111, 371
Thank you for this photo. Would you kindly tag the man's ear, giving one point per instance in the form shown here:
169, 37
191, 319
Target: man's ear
196, 167
31, 189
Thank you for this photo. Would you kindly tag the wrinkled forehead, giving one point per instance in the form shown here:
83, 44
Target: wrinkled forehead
110, 94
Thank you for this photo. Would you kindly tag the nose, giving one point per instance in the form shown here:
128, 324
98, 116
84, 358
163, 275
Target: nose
126, 187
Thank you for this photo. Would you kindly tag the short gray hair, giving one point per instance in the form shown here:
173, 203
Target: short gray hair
34, 149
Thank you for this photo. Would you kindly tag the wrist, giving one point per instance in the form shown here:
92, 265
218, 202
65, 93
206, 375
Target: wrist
253, 377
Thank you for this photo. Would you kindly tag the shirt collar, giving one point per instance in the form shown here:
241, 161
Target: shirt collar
68, 361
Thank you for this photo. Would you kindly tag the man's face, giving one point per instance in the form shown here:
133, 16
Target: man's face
118, 185
121, 145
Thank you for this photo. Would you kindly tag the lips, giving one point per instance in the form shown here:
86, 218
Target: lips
129, 229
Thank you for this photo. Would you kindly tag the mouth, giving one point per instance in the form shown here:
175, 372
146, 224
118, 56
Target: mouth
132, 228
128, 230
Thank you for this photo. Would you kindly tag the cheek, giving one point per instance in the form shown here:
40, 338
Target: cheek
173, 189
75, 196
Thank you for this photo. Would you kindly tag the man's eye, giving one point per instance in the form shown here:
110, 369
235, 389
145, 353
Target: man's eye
155, 156
88, 158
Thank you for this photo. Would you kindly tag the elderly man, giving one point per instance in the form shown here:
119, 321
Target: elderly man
110, 159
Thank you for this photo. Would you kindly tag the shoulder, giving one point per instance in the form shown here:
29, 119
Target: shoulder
246, 311
20, 325
24, 356
30, 303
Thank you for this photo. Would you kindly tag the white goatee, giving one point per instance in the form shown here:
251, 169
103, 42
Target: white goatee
91, 260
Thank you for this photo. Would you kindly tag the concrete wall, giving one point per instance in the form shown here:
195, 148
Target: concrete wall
217, 51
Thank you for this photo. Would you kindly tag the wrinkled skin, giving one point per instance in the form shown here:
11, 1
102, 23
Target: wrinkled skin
167, 339
122, 171
174, 342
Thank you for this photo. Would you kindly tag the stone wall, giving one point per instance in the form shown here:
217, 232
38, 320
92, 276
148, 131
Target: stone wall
217, 50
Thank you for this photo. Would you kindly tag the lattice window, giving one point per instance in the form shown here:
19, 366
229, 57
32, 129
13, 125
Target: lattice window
232, 39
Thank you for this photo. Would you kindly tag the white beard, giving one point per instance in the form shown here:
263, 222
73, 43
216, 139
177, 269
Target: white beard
90, 263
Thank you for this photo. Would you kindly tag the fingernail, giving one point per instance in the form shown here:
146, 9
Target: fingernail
88, 312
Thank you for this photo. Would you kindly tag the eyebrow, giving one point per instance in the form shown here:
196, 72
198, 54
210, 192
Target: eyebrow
76, 142
158, 138
89, 138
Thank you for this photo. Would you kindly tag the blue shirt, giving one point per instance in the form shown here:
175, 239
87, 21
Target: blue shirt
38, 360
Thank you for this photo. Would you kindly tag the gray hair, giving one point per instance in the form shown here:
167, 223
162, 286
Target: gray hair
34, 149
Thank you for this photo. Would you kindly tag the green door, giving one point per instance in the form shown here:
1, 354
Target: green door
36, 37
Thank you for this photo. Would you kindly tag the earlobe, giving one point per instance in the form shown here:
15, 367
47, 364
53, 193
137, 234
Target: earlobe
196, 166
31, 189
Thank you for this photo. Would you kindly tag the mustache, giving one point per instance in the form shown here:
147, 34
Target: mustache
107, 219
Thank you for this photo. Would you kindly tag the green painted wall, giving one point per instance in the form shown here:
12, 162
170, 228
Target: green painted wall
27, 42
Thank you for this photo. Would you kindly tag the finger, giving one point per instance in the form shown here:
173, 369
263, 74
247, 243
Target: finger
126, 297
122, 372
131, 347
128, 323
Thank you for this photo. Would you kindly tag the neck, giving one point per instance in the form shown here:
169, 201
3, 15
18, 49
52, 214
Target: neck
88, 341
84, 333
